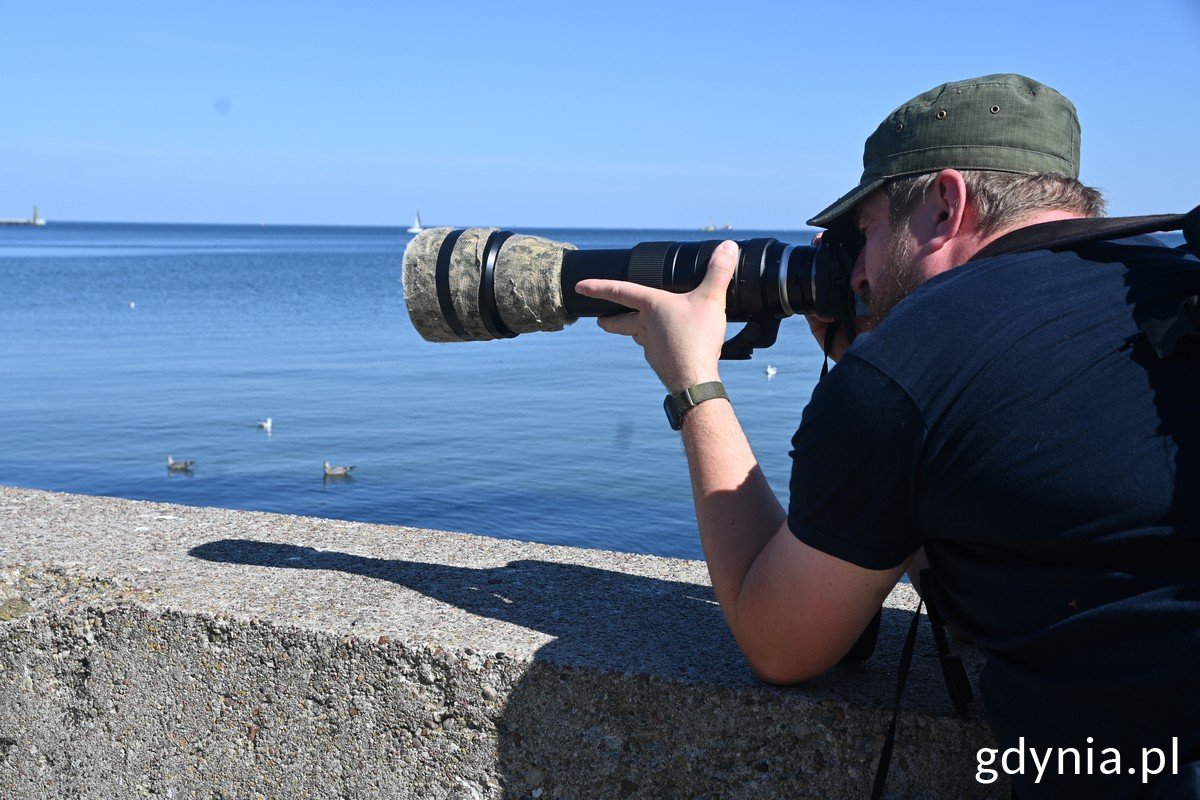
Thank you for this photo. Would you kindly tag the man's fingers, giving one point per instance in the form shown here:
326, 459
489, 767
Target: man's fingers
721, 267
623, 324
630, 295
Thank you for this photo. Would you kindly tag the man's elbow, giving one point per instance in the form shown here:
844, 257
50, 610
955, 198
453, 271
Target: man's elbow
787, 671
784, 656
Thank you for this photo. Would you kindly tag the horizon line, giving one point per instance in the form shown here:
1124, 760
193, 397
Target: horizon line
402, 227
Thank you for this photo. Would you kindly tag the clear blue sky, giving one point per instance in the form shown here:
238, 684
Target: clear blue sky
605, 114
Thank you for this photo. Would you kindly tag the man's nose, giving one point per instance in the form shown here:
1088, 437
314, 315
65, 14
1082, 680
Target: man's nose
858, 276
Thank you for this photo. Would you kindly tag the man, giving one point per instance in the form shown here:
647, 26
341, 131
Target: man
1006, 414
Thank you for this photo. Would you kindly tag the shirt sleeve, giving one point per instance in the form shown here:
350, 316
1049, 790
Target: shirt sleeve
855, 459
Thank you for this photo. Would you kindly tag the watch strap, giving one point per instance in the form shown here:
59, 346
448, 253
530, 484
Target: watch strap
678, 404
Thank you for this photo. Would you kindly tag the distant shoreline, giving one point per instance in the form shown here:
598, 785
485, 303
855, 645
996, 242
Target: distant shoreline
1173, 237
401, 227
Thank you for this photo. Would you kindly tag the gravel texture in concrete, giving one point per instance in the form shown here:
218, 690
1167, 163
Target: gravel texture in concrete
151, 649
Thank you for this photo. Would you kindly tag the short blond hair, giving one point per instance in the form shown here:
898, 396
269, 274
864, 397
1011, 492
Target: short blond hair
1000, 198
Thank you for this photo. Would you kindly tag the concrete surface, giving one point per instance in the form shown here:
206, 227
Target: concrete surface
159, 650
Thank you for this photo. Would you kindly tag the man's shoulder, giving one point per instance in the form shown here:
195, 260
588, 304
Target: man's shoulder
954, 324
938, 326
989, 286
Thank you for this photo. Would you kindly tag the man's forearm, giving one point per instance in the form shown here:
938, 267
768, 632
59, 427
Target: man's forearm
736, 511
793, 610
682, 337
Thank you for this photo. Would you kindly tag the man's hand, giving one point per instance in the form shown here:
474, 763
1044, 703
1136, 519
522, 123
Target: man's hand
681, 334
820, 328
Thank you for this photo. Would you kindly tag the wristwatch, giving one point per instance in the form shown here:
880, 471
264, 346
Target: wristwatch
676, 405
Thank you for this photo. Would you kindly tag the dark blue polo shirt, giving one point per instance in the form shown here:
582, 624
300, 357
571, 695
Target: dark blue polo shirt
1008, 417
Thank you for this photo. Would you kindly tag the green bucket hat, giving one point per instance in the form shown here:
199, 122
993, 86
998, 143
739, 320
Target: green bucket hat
1008, 123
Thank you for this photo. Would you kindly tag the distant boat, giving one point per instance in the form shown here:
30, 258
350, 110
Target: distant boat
35, 220
416, 226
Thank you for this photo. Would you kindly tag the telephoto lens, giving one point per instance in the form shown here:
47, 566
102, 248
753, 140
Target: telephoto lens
476, 284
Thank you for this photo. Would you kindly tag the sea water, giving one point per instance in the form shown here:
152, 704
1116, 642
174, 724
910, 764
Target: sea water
121, 344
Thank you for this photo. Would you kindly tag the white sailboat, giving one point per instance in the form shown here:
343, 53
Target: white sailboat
416, 226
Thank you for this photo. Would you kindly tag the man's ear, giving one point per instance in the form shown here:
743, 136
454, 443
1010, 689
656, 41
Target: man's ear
947, 209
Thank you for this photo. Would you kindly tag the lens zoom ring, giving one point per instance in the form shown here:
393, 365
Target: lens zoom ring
646, 263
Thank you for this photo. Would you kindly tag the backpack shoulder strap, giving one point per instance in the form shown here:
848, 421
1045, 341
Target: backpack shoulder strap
1166, 335
1066, 233
1191, 230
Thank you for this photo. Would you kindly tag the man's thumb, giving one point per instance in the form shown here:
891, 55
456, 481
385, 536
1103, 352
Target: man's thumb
721, 267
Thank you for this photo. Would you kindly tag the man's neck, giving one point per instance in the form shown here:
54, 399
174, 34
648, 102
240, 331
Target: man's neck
969, 241
1036, 218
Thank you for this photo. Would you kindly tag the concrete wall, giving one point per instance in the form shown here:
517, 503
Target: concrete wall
149, 649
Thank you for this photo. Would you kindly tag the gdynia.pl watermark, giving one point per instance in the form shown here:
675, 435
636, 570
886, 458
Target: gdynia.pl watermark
1073, 761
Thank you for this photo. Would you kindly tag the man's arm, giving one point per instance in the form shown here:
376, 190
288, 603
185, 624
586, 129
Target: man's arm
793, 610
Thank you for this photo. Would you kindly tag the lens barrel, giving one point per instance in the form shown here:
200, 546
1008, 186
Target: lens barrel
773, 279
477, 284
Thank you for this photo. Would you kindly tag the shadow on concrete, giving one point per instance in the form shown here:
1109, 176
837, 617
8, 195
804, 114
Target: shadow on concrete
678, 630
614, 728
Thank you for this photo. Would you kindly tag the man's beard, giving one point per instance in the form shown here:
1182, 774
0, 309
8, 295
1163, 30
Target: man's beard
900, 276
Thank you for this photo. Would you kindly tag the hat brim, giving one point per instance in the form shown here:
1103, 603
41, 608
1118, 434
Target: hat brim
845, 204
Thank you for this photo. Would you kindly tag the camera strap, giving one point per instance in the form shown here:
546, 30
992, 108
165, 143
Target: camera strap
885, 756
954, 672
831, 332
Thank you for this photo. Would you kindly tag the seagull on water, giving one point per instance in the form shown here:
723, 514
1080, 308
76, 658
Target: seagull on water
265, 424
771, 370
178, 466
336, 472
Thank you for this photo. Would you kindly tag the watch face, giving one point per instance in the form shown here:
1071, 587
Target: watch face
673, 415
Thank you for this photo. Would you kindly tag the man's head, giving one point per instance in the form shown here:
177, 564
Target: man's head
951, 170
919, 226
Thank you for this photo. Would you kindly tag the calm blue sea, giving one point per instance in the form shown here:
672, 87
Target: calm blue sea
121, 344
